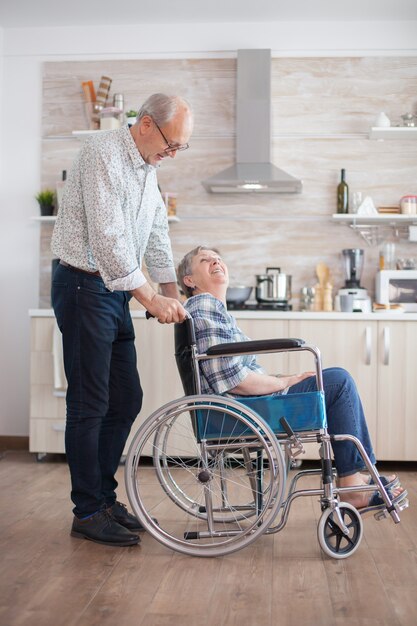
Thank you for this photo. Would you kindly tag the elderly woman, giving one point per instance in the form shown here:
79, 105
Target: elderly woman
203, 277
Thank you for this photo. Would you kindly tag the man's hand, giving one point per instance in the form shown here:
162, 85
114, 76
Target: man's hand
166, 310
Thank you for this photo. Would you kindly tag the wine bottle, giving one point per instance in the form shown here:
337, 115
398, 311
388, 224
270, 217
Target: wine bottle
342, 195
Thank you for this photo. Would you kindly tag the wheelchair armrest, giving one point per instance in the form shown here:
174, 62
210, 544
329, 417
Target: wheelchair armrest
251, 347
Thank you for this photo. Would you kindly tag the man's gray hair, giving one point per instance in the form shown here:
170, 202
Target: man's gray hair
185, 268
162, 108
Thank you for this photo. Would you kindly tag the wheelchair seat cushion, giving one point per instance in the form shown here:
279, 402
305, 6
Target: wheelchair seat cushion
303, 411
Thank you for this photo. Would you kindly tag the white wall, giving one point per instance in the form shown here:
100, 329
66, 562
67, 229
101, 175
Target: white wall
24, 51
1, 82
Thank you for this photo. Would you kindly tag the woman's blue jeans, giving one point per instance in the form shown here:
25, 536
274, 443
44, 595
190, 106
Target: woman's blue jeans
104, 394
345, 416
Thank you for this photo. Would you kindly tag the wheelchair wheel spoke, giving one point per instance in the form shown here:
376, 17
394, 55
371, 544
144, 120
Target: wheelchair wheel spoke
208, 498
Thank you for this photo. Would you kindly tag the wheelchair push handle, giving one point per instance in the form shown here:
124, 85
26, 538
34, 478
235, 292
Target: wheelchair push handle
150, 316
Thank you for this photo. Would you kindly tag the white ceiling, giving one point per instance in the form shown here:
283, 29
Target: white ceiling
38, 13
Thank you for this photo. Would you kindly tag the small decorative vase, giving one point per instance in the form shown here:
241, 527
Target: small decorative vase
46, 209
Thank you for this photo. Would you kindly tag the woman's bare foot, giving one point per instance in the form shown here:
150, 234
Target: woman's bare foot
360, 499
390, 478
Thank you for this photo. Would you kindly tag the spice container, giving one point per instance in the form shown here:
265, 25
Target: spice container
387, 256
409, 205
110, 118
170, 200
118, 103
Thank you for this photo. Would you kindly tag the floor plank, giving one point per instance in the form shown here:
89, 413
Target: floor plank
48, 578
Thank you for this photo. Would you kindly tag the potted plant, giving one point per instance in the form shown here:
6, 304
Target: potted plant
131, 117
46, 199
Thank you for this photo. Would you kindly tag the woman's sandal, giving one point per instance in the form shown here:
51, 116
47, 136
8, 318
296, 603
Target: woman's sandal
376, 503
388, 484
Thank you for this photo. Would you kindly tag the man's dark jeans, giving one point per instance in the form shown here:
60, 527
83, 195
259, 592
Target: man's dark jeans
104, 394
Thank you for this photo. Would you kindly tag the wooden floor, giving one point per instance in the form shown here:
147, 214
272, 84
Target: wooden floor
51, 579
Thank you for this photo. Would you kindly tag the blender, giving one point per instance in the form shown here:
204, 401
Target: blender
357, 299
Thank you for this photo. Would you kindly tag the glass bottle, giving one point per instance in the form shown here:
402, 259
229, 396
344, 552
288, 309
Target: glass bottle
342, 194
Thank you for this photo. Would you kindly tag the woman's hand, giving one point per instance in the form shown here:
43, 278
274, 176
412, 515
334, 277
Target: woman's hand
288, 380
256, 384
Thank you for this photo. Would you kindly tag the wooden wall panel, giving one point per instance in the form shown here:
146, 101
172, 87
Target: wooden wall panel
320, 108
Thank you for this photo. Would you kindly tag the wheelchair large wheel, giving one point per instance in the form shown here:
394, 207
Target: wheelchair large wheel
332, 539
167, 438
211, 493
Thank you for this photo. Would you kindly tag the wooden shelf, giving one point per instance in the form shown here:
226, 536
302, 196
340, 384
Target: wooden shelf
391, 218
43, 218
393, 132
52, 218
375, 229
82, 134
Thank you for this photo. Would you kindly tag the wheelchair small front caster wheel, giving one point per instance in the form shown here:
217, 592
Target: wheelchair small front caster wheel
333, 541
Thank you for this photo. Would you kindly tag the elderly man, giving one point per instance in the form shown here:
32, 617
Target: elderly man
111, 216
204, 278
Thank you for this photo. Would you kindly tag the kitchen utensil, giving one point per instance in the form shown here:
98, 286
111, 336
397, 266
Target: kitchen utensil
327, 297
306, 298
323, 274
238, 294
274, 286
353, 265
318, 297
346, 303
408, 120
353, 259
406, 264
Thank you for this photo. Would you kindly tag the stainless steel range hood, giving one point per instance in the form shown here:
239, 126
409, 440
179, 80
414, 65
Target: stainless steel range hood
253, 171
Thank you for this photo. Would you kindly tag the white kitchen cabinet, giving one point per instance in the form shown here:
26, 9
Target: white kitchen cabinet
381, 358
47, 410
397, 391
347, 344
378, 354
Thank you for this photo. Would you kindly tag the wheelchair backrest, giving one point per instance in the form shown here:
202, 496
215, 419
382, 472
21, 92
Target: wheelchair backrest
184, 342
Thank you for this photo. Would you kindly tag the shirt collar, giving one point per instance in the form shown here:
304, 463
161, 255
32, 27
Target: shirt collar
135, 155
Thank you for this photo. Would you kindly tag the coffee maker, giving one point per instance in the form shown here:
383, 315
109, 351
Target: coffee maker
357, 299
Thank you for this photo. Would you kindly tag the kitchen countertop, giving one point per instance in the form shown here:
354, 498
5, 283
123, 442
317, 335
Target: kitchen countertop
282, 315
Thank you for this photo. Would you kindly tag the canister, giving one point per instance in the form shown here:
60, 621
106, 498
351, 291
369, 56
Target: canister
409, 205
110, 118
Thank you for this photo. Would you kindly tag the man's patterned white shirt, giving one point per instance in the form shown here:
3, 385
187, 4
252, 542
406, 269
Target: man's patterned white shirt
112, 215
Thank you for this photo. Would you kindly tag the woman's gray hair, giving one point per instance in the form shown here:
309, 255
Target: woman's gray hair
185, 268
162, 108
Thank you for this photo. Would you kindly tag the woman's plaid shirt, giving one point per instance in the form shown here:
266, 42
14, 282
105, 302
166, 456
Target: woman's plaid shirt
214, 325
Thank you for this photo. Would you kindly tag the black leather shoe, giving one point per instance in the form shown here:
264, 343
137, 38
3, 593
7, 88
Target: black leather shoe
102, 528
121, 515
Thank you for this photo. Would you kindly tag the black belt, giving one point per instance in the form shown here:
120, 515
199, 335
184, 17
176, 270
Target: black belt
77, 269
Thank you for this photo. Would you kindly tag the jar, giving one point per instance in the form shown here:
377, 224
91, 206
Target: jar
409, 205
110, 118
171, 203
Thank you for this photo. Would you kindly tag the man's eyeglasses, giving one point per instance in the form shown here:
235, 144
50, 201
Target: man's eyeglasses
171, 147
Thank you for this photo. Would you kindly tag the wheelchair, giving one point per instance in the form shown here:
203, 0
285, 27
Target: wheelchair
206, 475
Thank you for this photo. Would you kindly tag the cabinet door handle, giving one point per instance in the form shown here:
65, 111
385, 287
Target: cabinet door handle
386, 345
368, 345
